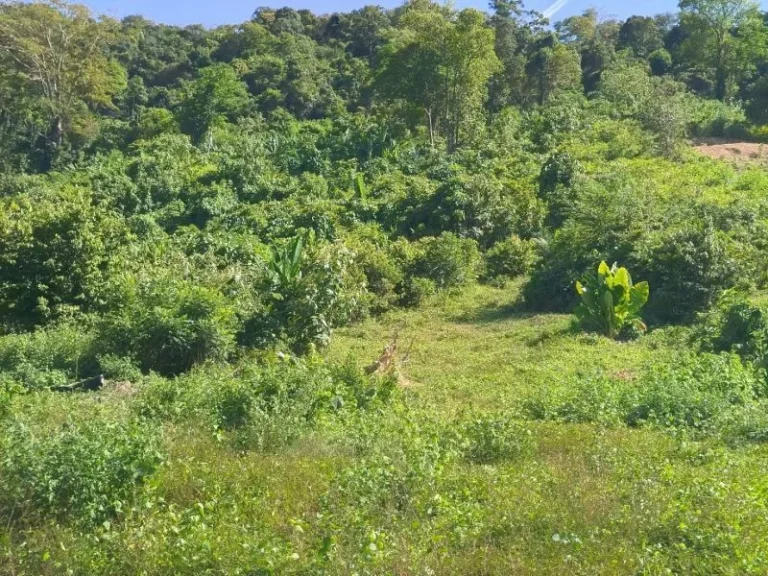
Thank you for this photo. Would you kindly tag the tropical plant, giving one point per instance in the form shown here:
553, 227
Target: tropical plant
610, 302
285, 268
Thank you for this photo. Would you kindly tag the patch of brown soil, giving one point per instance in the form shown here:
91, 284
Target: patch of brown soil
734, 151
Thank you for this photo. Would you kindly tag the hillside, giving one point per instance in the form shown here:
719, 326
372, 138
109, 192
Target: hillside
414, 291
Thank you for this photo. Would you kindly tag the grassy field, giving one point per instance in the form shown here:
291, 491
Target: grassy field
492, 457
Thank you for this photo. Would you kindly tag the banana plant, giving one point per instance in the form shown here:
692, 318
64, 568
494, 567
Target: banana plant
610, 302
285, 268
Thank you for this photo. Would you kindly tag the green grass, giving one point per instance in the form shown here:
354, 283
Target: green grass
478, 348
392, 491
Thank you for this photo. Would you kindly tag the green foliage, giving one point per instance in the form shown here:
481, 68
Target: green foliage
510, 258
610, 302
446, 260
193, 212
491, 439
84, 467
689, 269
703, 392
305, 300
168, 325
284, 270
739, 326
57, 253
266, 406
54, 356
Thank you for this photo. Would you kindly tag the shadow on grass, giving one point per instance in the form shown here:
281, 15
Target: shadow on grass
489, 314
516, 310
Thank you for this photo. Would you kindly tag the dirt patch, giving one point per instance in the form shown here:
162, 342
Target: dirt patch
735, 151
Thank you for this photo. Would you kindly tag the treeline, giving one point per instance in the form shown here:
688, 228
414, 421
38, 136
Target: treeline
73, 85
170, 195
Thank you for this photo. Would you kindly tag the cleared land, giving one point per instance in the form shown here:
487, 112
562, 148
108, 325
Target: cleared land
735, 151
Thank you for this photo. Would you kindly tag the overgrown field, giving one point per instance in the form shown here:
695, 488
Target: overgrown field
414, 291
512, 444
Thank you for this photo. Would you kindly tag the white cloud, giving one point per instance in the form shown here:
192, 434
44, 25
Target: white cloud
554, 8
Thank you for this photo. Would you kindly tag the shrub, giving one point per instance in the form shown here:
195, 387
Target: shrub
447, 260
381, 264
693, 392
608, 217
168, 325
51, 356
688, 268
738, 326
302, 308
704, 392
557, 186
510, 258
416, 291
610, 302
57, 252
86, 467
490, 439
267, 405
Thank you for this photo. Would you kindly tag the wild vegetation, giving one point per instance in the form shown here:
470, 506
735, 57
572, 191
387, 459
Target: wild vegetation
207, 237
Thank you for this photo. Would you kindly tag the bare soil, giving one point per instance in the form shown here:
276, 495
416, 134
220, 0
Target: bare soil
734, 151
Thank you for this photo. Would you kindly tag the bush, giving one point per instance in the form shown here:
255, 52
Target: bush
51, 356
377, 257
510, 258
608, 217
447, 260
704, 392
738, 326
57, 252
86, 467
691, 393
557, 186
168, 325
416, 291
491, 439
302, 309
688, 268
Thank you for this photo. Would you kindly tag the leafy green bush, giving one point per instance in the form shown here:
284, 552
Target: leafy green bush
168, 325
86, 467
692, 393
51, 356
381, 261
739, 326
57, 252
447, 260
416, 291
610, 302
688, 268
557, 186
491, 439
608, 216
510, 258
300, 309
266, 405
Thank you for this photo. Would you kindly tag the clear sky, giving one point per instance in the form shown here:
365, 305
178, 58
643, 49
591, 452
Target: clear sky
217, 12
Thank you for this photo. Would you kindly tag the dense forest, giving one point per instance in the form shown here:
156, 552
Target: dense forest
208, 235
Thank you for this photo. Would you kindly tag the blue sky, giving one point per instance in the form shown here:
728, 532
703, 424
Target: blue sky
216, 12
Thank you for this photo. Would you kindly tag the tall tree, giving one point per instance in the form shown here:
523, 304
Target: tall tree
441, 60
217, 95
516, 33
724, 39
59, 50
641, 35
594, 39
554, 68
